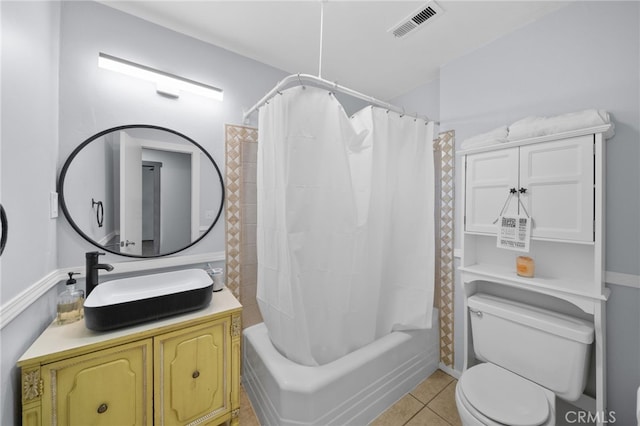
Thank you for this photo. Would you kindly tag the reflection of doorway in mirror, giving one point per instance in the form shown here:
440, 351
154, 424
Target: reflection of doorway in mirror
175, 221
151, 212
166, 224
109, 167
130, 195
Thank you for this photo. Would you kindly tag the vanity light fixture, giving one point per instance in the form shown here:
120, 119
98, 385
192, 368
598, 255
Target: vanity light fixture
166, 84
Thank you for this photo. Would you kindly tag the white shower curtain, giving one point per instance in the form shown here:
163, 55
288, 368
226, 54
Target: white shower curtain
345, 232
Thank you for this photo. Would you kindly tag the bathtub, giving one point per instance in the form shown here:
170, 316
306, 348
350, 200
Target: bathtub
352, 390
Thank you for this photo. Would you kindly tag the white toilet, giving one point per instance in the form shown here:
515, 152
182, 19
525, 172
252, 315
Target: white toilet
529, 356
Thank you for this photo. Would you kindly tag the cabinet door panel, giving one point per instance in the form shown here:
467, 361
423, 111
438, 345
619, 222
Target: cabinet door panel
192, 382
106, 387
194, 369
113, 402
559, 177
489, 177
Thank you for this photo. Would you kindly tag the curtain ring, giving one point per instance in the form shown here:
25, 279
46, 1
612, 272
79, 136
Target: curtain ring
301, 83
279, 92
402, 115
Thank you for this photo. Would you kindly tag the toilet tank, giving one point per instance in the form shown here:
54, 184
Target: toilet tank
546, 347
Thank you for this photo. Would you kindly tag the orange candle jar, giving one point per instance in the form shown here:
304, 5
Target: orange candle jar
525, 266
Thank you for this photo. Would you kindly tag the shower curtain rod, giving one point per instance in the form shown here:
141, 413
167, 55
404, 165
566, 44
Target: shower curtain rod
300, 79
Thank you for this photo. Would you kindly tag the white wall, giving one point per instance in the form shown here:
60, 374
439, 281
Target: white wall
50, 48
91, 162
425, 100
585, 55
29, 138
93, 99
29, 135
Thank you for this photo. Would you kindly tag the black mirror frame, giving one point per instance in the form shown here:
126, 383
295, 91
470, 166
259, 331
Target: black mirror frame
76, 151
5, 229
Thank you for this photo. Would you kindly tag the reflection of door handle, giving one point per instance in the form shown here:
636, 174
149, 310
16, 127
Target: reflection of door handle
127, 244
99, 211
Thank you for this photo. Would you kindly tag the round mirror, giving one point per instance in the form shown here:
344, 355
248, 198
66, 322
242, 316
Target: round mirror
141, 191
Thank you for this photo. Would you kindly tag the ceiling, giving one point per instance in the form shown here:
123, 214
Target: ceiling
357, 50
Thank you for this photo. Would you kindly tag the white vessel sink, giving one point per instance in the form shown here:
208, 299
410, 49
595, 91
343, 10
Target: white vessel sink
127, 301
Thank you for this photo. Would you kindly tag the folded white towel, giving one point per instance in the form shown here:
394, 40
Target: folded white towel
532, 127
489, 138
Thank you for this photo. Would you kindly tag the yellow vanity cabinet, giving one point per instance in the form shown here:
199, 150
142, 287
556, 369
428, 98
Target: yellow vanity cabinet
192, 381
108, 387
176, 371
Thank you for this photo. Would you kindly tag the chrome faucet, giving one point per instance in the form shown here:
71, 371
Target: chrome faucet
92, 270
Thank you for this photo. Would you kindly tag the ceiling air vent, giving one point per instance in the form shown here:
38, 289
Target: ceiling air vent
427, 13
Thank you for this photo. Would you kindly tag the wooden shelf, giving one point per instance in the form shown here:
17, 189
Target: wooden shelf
551, 240
530, 141
546, 285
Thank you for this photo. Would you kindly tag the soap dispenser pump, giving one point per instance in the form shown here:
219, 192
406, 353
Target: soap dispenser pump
70, 302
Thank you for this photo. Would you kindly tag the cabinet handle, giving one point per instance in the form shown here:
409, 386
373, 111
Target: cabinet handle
476, 313
195, 374
513, 191
102, 408
523, 190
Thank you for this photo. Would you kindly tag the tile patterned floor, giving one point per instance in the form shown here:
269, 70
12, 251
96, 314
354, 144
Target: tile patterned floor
247, 415
431, 403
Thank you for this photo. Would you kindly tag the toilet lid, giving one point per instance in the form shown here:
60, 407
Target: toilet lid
504, 396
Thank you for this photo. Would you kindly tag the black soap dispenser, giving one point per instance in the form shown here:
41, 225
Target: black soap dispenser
70, 302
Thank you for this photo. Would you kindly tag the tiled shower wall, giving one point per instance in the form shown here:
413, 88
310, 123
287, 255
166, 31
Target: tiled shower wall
445, 270
241, 214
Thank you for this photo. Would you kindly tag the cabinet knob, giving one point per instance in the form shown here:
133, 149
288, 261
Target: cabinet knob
102, 408
513, 191
195, 374
523, 190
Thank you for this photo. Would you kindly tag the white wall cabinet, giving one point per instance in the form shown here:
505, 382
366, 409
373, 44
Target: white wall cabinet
490, 176
559, 180
554, 181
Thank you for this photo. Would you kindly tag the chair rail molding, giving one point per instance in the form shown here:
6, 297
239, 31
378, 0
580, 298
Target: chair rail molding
625, 280
16, 305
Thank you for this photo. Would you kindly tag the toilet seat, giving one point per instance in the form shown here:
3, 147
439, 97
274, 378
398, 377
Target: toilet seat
469, 415
502, 396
